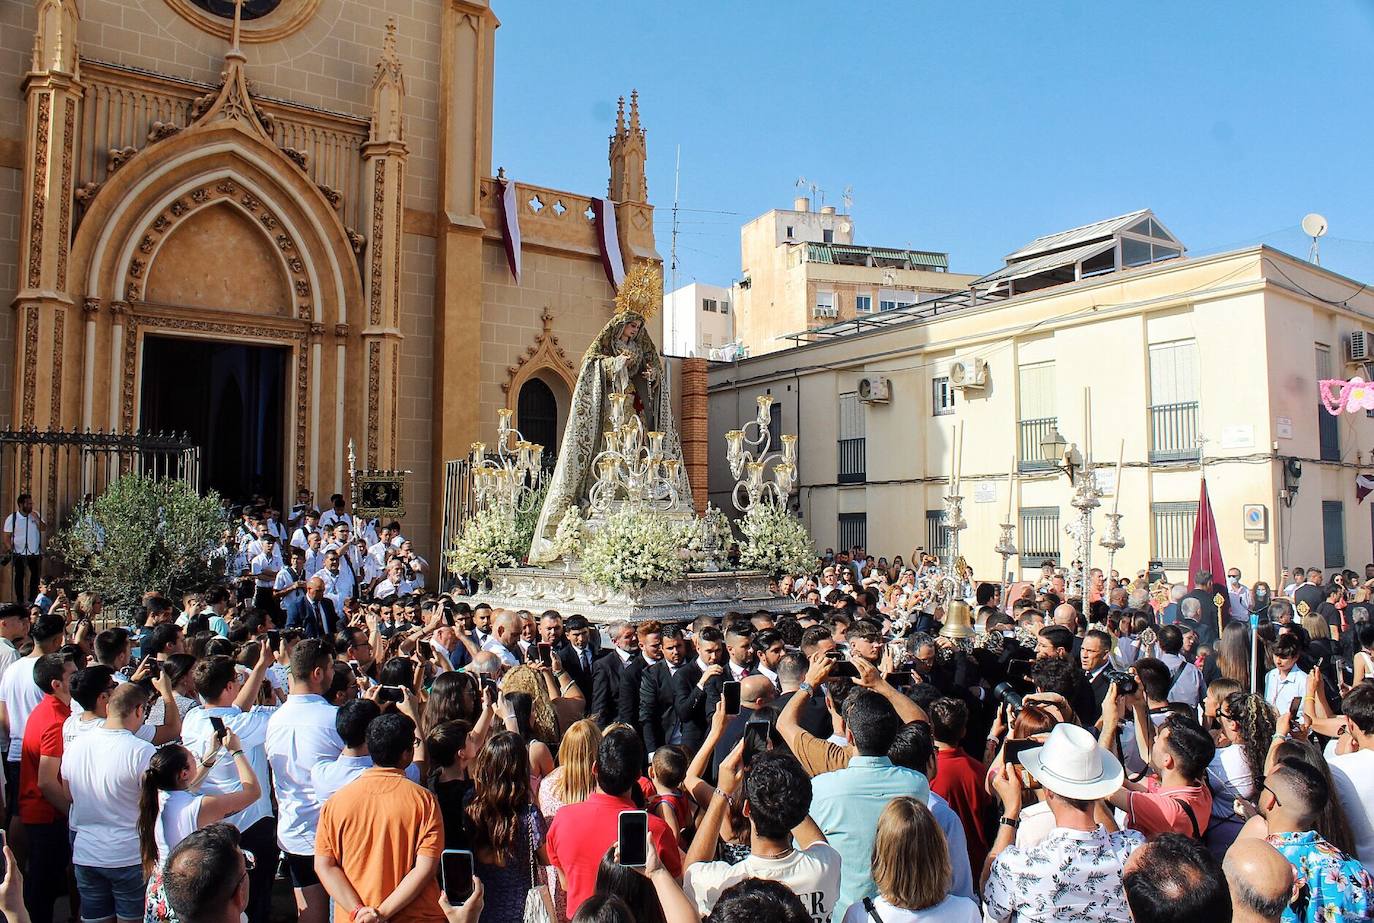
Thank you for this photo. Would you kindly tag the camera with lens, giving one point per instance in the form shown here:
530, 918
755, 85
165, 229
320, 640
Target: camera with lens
1007, 694
1125, 682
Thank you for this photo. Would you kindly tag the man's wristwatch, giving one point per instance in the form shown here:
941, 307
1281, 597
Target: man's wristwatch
1012, 822
805, 687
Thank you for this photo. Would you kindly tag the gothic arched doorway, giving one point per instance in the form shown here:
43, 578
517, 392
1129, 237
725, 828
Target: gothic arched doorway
536, 416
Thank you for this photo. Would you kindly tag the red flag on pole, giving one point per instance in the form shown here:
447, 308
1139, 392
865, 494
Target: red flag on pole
1206, 553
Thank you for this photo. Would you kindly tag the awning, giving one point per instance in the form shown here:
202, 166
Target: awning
1047, 263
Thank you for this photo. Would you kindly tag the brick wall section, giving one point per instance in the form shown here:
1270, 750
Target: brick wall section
695, 435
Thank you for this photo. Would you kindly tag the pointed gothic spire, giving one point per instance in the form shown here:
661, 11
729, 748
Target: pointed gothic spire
634, 111
627, 155
388, 91
620, 119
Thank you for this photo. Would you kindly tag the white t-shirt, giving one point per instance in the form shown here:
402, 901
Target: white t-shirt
1037, 820
77, 724
104, 770
299, 735
223, 778
953, 909
329, 776
1353, 775
813, 874
1229, 777
178, 817
21, 696
28, 538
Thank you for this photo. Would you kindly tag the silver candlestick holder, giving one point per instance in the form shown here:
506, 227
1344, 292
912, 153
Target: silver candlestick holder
1006, 547
1112, 540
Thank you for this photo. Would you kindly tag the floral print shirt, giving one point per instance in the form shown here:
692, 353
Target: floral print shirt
1070, 875
1336, 886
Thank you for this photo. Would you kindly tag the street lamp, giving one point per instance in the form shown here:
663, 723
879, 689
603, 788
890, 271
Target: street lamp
1058, 453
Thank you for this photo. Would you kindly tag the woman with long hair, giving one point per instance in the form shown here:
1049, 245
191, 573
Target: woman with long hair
1237, 770
1233, 655
1032, 722
520, 708
169, 811
911, 870
455, 696
570, 783
504, 828
1364, 655
447, 746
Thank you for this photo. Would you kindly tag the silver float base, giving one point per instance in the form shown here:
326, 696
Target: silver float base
539, 588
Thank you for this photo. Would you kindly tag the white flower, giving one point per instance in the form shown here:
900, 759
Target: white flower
775, 541
633, 548
489, 540
568, 537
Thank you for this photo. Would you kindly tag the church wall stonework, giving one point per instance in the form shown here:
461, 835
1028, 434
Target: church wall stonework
415, 407
10, 181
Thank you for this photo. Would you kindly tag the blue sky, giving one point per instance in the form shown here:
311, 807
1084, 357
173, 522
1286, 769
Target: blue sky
964, 127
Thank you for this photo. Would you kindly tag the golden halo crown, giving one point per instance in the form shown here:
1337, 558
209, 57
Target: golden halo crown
641, 292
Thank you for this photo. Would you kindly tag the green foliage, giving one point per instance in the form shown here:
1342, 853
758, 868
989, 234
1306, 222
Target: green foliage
142, 534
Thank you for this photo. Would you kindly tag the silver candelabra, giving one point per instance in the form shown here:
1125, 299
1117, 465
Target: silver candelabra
749, 458
510, 479
631, 465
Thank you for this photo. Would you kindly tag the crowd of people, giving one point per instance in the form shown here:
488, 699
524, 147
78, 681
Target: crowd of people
324, 724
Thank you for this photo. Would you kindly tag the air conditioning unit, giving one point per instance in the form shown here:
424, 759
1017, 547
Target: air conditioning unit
972, 373
822, 310
1360, 346
875, 390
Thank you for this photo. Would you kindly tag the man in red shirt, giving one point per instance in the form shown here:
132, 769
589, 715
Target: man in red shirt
43, 802
581, 833
959, 778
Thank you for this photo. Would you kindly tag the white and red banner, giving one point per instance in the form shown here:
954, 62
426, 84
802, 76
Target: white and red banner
510, 215
609, 240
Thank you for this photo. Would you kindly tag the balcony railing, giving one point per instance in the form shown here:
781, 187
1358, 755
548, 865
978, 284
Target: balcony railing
1173, 432
853, 462
1032, 431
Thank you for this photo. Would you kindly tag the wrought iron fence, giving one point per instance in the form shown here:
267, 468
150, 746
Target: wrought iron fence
1173, 532
1039, 535
458, 506
59, 468
1173, 432
853, 461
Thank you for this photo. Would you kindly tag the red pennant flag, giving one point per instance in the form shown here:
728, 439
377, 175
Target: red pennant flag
608, 238
510, 221
1206, 553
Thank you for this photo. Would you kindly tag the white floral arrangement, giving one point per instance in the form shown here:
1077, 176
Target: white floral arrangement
708, 541
490, 539
569, 536
633, 548
775, 541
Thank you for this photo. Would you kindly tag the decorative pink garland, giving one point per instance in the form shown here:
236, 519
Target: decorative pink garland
1350, 396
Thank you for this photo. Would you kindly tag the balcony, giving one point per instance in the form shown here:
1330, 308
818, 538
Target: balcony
1174, 432
853, 462
1031, 432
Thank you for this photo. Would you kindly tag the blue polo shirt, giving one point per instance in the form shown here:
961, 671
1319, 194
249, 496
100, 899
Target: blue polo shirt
846, 805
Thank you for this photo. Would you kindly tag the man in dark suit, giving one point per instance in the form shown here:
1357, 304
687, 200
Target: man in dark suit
314, 613
1095, 659
696, 687
578, 656
650, 636
606, 673
657, 705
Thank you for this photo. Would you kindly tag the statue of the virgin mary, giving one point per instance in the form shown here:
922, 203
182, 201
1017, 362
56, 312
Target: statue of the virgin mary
621, 353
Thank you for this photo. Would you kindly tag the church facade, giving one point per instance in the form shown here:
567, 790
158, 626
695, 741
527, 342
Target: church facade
280, 231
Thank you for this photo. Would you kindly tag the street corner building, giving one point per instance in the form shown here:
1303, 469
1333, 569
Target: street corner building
280, 232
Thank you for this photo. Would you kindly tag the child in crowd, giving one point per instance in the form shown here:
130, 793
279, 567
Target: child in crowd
664, 794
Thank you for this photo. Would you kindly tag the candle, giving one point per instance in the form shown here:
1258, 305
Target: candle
1120, 454
953, 439
959, 469
1011, 489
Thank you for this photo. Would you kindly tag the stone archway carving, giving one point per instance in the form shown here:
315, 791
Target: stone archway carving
545, 356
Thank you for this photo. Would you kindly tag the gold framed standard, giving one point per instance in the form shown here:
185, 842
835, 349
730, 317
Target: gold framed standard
288, 17
379, 495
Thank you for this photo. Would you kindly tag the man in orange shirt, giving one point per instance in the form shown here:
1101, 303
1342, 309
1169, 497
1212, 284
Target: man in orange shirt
380, 837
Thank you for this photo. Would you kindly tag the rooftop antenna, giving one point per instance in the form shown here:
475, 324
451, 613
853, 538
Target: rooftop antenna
848, 198
1314, 226
801, 183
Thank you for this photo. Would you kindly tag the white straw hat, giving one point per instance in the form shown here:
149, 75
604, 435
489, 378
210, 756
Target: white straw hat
1072, 764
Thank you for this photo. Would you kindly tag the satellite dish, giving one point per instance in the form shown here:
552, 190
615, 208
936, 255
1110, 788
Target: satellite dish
1314, 225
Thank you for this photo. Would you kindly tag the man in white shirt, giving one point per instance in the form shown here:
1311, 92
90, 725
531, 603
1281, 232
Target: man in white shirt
311, 526
351, 721
395, 584
24, 539
382, 548
290, 583
1353, 772
228, 697
314, 553
504, 638
19, 695
337, 579
300, 735
335, 514
777, 792
103, 772
14, 628
92, 688
1239, 593
265, 566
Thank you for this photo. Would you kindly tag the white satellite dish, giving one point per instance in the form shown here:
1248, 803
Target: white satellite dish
1314, 226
